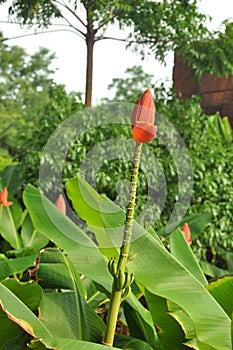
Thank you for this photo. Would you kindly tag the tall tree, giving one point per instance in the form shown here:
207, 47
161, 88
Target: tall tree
153, 26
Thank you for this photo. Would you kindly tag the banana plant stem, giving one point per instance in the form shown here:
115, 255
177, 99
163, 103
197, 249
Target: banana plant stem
115, 299
114, 306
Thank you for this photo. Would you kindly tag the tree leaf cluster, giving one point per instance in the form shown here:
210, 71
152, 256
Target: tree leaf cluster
212, 54
151, 27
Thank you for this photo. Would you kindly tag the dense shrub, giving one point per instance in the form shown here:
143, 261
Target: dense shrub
211, 159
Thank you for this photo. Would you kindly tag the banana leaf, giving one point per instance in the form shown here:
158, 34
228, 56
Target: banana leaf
69, 313
163, 275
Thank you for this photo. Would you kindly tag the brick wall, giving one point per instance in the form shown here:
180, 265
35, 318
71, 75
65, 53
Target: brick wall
216, 93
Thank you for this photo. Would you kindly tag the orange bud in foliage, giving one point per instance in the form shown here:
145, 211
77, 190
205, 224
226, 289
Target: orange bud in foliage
143, 117
185, 228
61, 204
3, 198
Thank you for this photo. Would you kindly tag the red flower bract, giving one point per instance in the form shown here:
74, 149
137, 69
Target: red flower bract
3, 198
185, 228
143, 117
61, 204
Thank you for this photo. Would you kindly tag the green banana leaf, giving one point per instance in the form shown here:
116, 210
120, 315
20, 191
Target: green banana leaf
36, 345
106, 220
93, 296
183, 253
229, 261
197, 345
9, 222
19, 308
127, 342
212, 270
31, 237
10, 267
81, 250
9, 332
83, 257
69, 314
11, 335
222, 291
73, 344
187, 326
171, 334
15, 308
9, 338
140, 322
12, 177
196, 223
29, 293
227, 128
162, 274
221, 127
94, 209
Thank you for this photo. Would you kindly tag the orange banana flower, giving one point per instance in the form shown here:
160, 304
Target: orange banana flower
143, 117
185, 228
4, 197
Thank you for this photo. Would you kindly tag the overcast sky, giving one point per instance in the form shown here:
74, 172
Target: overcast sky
111, 59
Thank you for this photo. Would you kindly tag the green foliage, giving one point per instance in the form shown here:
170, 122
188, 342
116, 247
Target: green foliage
31, 107
55, 110
162, 26
157, 281
212, 175
212, 187
202, 135
41, 11
169, 290
129, 88
221, 127
20, 241
212, 54
222, 291
56, 273
5, 159
141, 244
23, 90
154, 26
28, 296
12, 178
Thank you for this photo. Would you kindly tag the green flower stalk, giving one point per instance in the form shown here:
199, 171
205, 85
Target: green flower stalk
143, 131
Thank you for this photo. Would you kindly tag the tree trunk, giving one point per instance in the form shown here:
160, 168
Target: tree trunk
90, 41
89, 72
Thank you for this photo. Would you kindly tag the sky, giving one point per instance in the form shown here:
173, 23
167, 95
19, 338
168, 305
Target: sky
111, 58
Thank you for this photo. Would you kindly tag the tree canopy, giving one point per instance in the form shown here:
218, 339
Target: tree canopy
151, 26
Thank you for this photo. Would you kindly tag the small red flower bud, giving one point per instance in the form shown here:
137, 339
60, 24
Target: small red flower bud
143, 117
3, 198
185, 228
61, 204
